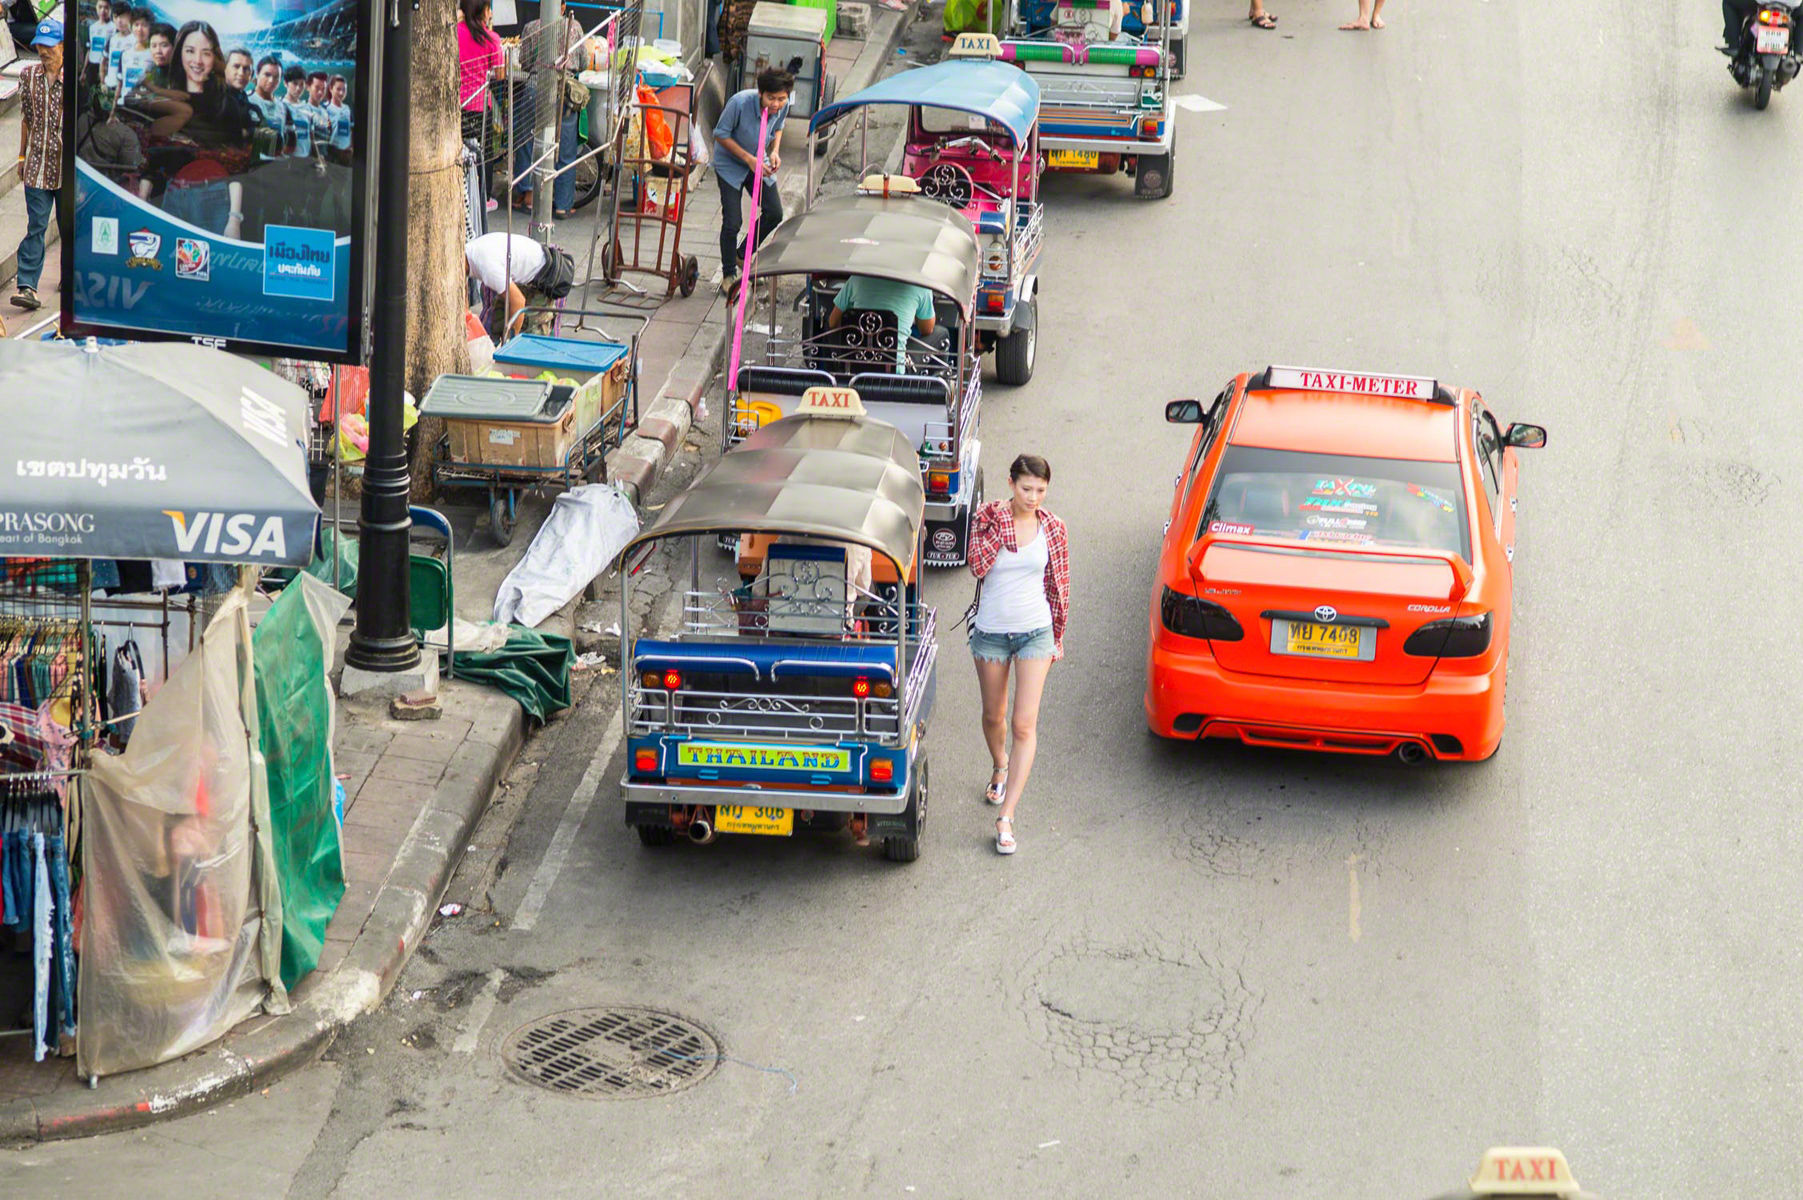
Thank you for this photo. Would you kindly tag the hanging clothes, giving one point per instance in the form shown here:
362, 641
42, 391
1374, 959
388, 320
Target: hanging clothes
125, 690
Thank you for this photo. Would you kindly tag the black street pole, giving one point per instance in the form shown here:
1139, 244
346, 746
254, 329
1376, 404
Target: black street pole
382, 640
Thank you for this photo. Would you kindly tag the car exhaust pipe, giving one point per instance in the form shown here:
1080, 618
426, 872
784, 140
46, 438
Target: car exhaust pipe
1412, 753
701, 831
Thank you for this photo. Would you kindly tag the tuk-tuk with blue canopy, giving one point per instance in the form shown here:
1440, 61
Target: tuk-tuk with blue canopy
973, 144
796, 690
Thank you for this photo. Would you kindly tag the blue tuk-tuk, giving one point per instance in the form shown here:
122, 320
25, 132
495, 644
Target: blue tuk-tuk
796, 690
972, 143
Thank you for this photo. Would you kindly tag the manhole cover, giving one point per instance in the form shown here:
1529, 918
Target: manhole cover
612, 1053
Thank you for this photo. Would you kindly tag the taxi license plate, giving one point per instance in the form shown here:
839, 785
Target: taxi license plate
1315, 640
742, 818
1770, 40
1074, 160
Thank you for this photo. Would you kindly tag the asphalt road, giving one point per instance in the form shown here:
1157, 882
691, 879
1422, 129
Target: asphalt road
1213, 971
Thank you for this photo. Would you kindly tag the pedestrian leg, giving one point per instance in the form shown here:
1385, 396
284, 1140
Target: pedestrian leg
40, 203
770, 210
732, 219
1023, 728
1377, 8
1364, 17
992, 683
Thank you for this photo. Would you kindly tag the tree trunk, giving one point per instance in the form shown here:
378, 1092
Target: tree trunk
437, 277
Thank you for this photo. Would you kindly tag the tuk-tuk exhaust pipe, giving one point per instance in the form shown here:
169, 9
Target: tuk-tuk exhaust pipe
701, 830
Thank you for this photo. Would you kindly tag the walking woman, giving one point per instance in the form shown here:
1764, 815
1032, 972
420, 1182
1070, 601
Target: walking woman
1021, 558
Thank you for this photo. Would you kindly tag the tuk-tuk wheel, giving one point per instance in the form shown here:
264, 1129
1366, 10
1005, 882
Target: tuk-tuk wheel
691, 273
501, 516
1014, 354
656, 836
903, 848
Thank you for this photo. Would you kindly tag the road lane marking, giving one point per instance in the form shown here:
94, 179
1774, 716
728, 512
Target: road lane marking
481, 1009
1199, 104
565, 837
1352, 884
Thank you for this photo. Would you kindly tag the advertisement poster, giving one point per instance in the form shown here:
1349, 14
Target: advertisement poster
218, 151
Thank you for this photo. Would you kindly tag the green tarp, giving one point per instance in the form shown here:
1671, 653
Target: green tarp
533, 668
292, 649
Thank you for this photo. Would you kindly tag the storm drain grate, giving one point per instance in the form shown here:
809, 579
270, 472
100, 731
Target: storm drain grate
612, 1053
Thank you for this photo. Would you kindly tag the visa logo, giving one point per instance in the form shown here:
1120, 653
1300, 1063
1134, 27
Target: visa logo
235, 535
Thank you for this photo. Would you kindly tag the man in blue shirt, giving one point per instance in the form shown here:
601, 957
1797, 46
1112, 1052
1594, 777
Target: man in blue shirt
910, 304
735, 158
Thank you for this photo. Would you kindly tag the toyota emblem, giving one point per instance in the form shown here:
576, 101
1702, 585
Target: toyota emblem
1326, 614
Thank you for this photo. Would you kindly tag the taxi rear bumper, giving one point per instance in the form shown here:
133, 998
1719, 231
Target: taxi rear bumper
1452, 716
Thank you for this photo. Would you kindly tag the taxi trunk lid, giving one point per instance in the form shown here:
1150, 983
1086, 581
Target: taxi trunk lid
1283, 597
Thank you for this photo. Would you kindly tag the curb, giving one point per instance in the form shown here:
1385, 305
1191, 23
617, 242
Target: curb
639, 461
237, 1066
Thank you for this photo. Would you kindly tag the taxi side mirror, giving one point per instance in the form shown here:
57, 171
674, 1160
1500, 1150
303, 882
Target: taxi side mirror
1183, 412
1525, 437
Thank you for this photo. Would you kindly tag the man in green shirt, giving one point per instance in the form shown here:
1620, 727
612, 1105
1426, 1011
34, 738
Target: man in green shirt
911, 304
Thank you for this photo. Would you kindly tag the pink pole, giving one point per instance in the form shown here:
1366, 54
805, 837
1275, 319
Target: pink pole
751, 241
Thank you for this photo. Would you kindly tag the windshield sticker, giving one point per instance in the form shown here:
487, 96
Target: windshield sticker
1344, 487
1317, 521
1357, 508
1228, 527
1336, 535
1431, 497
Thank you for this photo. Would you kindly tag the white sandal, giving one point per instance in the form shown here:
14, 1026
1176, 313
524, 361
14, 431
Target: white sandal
1004, 839
998, 788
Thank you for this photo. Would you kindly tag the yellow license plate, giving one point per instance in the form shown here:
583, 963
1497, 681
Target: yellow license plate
740, 818
750, 756
1323, 641
1074, 160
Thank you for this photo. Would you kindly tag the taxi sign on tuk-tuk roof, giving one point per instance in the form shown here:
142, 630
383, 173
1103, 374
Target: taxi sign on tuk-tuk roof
976, 45
1304, 379
1523, 1171
841, 402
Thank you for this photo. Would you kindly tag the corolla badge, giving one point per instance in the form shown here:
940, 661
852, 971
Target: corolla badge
1327, 614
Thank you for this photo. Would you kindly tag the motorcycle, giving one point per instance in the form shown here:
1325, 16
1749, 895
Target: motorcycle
1767, 55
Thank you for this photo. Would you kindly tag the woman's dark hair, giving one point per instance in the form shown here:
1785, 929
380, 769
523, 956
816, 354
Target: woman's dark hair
215, 78
772, 80
1030, 464
472, 16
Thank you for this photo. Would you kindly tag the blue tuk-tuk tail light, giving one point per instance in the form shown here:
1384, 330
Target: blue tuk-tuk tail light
993, 301
882, 770
939, 482
1148, 127
644, 760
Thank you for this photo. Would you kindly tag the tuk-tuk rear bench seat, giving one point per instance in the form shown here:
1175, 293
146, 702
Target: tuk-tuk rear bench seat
766, 661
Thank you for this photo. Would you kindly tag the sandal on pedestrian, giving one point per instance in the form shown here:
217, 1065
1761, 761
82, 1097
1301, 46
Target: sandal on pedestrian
1263, 21
998, 785
1004, 837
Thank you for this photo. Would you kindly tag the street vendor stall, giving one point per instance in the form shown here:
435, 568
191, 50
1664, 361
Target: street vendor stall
140, 468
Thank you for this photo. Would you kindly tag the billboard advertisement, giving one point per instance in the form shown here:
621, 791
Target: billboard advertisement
219, 151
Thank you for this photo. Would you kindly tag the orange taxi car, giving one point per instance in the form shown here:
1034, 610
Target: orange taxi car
1336, 570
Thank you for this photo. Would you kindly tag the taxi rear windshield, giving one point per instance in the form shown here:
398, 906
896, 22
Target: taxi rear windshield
1329, 499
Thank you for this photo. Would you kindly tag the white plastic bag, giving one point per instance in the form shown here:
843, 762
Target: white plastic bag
698, 153
587, 529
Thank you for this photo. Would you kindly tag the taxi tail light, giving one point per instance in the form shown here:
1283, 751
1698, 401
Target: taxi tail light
939, 482
1192, 616
882, 770
1454, 637
644, 760
672, 679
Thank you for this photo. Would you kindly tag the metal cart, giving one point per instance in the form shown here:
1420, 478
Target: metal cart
505, 436
643, 233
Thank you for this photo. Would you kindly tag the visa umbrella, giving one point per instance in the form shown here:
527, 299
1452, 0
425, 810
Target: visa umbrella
151, 450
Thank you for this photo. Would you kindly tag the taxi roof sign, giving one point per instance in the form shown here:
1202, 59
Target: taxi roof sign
842, 402
880, 184
976, 45
1306, 379
1523, 1171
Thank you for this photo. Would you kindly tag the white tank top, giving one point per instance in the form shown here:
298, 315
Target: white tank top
1013, 598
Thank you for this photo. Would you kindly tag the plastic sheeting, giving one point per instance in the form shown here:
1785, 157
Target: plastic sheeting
587, 529
292, 647
533, 668
182, 926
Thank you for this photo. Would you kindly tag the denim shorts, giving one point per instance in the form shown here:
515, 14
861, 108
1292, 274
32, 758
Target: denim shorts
1006, 647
